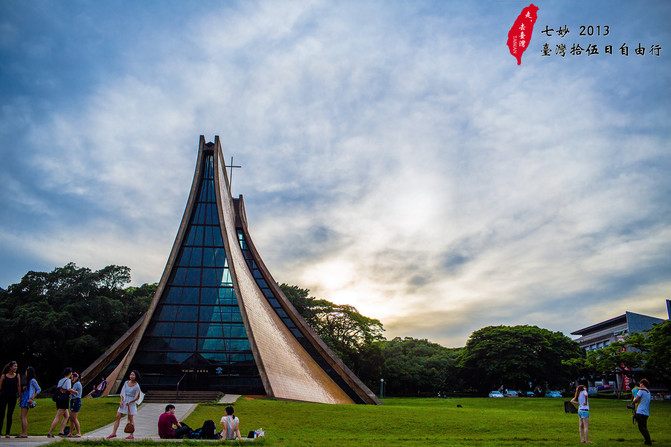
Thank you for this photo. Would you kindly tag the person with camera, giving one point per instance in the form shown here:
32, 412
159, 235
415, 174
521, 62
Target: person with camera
28, 399
643, 398
582, 400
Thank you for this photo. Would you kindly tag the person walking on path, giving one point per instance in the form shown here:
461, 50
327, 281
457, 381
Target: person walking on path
230, 425
62, 398
643, 398
75, 406
130, 394
10, 389
582, 400
28, 399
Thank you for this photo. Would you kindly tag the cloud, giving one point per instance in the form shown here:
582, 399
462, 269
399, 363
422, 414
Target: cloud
392, 158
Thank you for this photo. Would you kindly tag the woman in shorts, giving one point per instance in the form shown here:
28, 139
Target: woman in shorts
130, 393
581, 399
75, 406
62, 398
28, 399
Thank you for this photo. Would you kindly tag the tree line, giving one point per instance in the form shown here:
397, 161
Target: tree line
71, 315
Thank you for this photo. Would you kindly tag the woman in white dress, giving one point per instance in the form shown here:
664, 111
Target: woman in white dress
130, 394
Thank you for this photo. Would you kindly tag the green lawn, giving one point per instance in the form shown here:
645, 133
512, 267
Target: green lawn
480, 421
412, 422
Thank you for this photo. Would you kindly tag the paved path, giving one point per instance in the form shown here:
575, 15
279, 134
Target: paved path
146, 424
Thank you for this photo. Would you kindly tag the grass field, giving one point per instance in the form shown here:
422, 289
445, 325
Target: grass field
412, 422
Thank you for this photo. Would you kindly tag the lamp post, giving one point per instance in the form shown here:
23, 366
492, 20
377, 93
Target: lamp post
381, 388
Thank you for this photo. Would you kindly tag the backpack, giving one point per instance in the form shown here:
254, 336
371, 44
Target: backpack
195, 434
208, 430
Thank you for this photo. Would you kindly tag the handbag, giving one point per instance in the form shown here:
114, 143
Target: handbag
129, 428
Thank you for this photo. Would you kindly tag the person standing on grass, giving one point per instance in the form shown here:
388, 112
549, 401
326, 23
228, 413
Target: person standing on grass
28, 399
62, 398
643, 398
75, 406
130, 393
10, 389
582, 400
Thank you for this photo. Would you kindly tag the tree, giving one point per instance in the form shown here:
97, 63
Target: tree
416, 366
68, 317
514, 356
341, 326
658, 355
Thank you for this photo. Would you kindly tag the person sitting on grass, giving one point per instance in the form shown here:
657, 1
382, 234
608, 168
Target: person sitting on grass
99, 389
166, 423
230, 425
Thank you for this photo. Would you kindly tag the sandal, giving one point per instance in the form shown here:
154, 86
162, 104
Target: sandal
49, 435
111, 436
130, 437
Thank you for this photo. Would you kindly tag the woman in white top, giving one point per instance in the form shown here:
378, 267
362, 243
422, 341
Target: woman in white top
582, 400
62, 398
130, 394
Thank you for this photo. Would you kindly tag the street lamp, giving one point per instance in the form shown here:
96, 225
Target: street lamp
381, 388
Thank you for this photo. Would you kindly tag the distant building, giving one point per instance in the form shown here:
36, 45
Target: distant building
600, 335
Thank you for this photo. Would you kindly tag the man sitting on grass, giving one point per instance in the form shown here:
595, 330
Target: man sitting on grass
167, 420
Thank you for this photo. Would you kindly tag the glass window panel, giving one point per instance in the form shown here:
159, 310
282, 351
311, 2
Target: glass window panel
210, 277
237, 330
281, 313
227, 296
212, 216
182, 344
240, 358
212, 330
192, 277
208, 256
202, 197
208, 295
173, 296
196, 257
220, 257
211, 196
296, 332
187, 313
262, 283
236, 316
167, 313
190, 236
218, 241
218, 357
209, 238
288, 322
257, 274
199, 216
238, 345
190, 295
267, 293
178, 276
185, 256
160, 330
211, 344
226, 277
273, 302
184, 330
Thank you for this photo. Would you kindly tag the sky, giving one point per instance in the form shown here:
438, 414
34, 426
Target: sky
394, 155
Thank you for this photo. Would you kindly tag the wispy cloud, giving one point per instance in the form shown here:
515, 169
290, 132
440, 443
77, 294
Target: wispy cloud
392, 158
